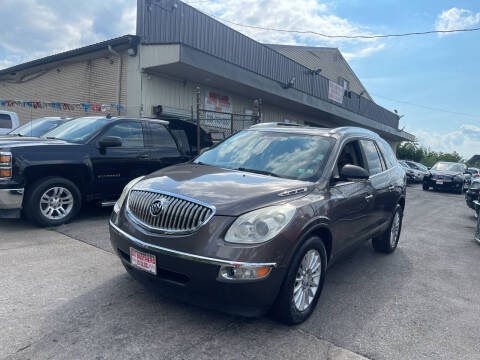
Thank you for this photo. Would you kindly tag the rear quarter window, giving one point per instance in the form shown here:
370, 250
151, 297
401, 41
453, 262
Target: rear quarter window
5, 121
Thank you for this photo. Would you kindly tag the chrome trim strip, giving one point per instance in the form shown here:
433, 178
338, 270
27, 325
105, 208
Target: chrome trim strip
188, 256
178, 196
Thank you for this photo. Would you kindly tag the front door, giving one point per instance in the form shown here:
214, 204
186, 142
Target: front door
114, 167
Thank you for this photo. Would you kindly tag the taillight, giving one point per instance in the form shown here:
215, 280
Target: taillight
5, 165
476, 175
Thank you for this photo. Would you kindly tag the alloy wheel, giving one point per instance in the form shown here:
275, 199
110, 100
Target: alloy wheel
56, 203
395, 230
307, 280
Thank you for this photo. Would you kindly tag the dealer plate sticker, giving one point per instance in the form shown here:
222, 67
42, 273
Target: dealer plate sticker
143, 261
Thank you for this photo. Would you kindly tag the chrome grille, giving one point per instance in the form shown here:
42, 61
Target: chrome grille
179, 214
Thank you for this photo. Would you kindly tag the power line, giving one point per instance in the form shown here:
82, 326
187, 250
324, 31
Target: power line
428, 107
335, 36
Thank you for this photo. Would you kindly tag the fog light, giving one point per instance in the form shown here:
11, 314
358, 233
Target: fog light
243, 272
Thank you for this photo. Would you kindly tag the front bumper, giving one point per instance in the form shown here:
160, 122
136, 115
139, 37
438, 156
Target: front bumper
446, 185
195, 279
11, 203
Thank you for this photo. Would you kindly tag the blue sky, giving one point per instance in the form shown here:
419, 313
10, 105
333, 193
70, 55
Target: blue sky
433, 71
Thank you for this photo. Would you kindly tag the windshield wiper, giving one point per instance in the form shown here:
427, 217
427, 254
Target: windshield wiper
255, 171
51, 138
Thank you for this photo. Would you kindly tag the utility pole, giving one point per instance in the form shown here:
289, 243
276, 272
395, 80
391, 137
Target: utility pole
197, 90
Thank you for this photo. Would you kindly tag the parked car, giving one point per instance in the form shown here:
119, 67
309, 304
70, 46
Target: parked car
8, 121
473, 193
254, 222
446, 176
37, 127
419, 170
408, 171
88, 159
470, 174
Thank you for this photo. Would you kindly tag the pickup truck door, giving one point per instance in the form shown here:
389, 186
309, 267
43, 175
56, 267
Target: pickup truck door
164, 150
114, 167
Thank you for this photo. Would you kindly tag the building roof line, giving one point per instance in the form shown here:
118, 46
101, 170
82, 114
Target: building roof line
125, 39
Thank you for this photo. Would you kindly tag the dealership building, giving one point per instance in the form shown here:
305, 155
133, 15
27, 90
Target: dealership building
180, 55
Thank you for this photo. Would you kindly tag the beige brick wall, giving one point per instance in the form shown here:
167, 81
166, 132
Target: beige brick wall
86, 81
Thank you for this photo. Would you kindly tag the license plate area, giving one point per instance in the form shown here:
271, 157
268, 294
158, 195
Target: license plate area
439, 182
143, 261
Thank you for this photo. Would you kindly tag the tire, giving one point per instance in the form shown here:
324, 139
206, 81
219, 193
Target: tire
286, 309
460, 191
388, 242
61, 192
425, 187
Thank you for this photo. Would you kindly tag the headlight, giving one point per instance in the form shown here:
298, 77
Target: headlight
126, 189
260, 225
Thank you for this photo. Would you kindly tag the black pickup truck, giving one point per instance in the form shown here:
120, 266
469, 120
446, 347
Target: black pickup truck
88, 159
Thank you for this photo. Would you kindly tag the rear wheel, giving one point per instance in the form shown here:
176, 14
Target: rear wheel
52, 201
426, 187
303, 283
388, 241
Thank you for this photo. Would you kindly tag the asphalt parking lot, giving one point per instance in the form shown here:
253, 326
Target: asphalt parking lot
66, 296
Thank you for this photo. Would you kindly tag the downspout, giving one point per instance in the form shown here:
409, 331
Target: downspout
119, 75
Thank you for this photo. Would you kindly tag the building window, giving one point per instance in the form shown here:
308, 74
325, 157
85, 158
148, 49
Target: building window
344, 83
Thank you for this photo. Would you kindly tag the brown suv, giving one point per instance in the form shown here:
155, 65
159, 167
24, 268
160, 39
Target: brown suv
254, 222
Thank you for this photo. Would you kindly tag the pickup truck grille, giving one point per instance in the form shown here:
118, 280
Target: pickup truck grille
168, 213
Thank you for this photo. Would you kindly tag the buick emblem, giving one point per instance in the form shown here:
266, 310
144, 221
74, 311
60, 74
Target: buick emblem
157, 207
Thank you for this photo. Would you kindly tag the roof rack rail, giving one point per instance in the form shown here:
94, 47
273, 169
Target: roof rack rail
273, 124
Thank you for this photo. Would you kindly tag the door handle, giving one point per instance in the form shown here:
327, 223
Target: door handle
143, 157
369, 197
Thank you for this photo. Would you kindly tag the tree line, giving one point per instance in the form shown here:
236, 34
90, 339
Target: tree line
426, 156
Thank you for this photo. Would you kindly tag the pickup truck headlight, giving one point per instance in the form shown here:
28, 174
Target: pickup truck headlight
5, 165
260, 225
118, 205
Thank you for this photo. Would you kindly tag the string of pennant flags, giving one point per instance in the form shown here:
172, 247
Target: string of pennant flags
62, 106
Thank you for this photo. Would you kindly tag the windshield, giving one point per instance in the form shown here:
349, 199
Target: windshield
79, 130
36, 127
449, 167
404, 164
291, 156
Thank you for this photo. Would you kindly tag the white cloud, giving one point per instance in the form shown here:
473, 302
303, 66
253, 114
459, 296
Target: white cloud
465, 141
35, 28
310, 15
456, 18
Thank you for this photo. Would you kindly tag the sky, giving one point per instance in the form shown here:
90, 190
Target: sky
432, 80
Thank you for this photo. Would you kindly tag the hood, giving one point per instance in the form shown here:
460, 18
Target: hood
19, 141
231, 192
445, 173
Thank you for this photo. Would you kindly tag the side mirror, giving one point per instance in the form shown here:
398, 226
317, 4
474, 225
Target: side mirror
353, 172
110, 141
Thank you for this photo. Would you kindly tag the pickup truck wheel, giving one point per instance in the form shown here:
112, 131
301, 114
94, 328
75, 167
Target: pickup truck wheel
388, 241
303, 283
52, 201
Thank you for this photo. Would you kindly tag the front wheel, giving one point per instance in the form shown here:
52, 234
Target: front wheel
52, 201
426, 187
388, 241
303, 283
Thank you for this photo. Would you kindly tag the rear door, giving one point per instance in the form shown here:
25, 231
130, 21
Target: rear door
114, 167
164, 150
380, 180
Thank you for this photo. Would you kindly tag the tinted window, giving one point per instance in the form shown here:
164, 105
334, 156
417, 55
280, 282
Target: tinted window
131, 134
286, 155
371, 153
5, 121
182, 140
161, 137
388, 155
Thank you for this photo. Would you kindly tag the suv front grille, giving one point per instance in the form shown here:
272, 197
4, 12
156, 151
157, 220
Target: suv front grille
168, 213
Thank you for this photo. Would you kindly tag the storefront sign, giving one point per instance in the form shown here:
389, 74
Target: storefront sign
216, 101
335, 92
